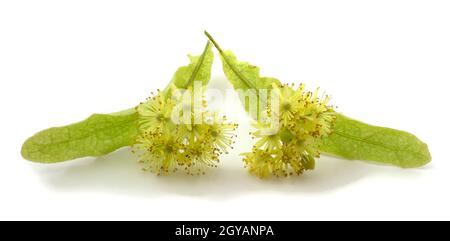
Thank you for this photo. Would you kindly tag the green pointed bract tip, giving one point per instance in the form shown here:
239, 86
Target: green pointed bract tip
98, 135
356, 140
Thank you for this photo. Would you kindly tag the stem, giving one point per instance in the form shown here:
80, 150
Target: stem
227, 61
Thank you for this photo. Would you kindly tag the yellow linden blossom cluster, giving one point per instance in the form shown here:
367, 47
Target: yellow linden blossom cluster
164, 146
304, 118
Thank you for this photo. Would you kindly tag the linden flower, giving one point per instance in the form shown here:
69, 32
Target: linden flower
160, 148
155, 112
289, 103
304, 119
164, 146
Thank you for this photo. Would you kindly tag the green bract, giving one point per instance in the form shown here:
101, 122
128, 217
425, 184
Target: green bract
243, 76
355, 140
98, 135
161, 145
349, 139
199, 69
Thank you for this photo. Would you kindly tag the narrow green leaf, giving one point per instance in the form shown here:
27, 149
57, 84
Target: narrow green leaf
243, 75
98, 135
355, 140
199, 69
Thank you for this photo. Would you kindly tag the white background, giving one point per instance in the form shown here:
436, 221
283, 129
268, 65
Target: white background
384, 62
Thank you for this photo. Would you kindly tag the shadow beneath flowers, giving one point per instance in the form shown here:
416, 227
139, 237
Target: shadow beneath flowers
119, 173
